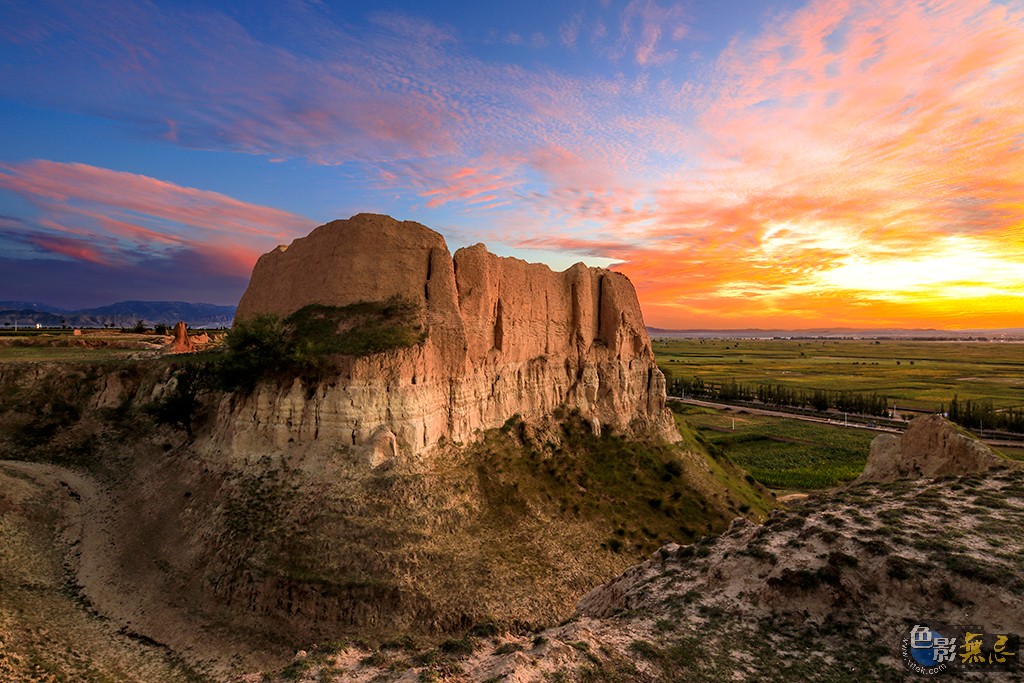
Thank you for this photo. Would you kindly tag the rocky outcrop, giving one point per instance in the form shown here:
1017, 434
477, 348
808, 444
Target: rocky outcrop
181, 343
504, 337
931, 447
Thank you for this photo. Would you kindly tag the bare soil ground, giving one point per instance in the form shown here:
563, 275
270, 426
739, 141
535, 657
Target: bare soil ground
48, 629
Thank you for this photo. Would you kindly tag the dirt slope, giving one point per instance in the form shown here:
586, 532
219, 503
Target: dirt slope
821, 592
48, 631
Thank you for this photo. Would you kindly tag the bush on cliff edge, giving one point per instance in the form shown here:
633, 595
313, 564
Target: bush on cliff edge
307, 343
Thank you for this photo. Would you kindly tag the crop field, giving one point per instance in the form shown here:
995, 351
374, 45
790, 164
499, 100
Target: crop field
914, 374
58, 354
31, 332
62, 347
782, 453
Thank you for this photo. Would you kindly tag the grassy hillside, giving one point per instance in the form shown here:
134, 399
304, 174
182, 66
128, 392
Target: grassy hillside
822, 592
511, 530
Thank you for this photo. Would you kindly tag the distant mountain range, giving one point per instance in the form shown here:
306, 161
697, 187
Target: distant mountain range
841, 332
121, 314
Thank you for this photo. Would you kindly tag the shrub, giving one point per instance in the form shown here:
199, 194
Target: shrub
256, 348
508, 648
485, 629
899, 568
460, 647
177, 408
664, 625
644, 650
307, 343
404, 642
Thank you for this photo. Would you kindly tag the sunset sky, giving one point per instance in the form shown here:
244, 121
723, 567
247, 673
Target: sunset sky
746, 163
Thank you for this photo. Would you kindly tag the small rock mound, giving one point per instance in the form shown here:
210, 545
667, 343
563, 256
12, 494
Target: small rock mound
931, 447
182, 343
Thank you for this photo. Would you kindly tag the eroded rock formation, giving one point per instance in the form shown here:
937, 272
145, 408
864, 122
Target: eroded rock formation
504, 337
931, 447
181, 343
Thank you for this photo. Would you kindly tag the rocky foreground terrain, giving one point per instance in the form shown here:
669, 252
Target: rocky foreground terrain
822, 591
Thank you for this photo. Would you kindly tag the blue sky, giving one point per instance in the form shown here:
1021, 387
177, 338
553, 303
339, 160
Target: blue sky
745, 163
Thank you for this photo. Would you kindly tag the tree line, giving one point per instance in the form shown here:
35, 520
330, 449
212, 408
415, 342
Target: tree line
969, 414
983, 415
782, 396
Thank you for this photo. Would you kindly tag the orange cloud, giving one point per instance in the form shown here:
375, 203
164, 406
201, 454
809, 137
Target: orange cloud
862, 167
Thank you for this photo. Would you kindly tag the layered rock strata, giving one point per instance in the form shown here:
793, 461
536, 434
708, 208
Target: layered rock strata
504, 337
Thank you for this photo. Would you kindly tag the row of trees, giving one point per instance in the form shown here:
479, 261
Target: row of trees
780, 395
983, 415
969, 414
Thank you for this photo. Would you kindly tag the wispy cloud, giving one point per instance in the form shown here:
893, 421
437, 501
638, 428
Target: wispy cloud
645, 28
119, 220
569, 31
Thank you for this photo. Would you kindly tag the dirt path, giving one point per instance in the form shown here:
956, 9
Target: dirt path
50, 520
779, 413
119, 582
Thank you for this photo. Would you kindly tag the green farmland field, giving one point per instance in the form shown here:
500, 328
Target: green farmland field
782, 453
794, 455
58, 354
922, 375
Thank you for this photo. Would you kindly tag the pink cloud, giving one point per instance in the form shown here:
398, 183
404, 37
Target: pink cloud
103, 216
54, 183
607, 249
569, 31
71, 248
643, 26
470, 185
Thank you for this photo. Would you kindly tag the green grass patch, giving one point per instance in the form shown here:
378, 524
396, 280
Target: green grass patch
639, 494
782, 453
1012, 453
310, 342
60, 354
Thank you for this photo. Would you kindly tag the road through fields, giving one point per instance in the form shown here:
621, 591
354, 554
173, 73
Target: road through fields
820, 420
